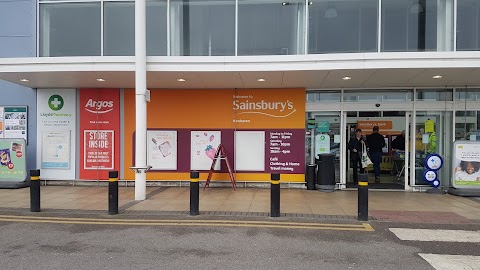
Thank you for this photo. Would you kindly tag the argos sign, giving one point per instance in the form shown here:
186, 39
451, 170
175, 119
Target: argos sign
102, 106
100, 127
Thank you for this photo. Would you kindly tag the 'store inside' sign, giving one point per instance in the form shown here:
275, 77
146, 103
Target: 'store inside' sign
99, 149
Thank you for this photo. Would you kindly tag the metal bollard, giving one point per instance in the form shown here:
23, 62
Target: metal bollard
113, 192
275, 195
34, 190
363, 197
194, 193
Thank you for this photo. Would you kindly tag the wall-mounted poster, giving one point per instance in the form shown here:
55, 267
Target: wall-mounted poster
56, 123
56, 150
99, 125
204, 145
15, 122
466, 164
12, 160
162, 149
99, 149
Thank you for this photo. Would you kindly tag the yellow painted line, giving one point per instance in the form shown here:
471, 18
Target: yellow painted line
211, 223
275, 182
33, 178
184, 220
363, 183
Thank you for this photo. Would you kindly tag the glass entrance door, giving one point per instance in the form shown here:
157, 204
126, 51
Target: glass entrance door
324, 138
433, 135
389, 154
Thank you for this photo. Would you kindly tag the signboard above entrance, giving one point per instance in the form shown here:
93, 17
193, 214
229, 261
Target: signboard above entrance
368, 125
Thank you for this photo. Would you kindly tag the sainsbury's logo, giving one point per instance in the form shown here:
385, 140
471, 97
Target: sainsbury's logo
95, 106
268, 108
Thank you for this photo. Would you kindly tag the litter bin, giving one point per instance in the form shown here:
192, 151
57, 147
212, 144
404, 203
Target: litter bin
311, 176
326, 172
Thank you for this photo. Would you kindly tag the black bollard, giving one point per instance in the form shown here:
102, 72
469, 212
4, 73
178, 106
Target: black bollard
311, 177
275, 195
194, 193
363, 197
34, 190
113, 192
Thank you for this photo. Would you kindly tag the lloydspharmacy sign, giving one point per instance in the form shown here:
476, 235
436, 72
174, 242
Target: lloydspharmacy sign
56, 103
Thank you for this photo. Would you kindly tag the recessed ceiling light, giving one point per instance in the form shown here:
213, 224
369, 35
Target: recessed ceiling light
310, 3
24, 80
284, 3
100, 80
261, 80
437, 77
180, 80
346, 78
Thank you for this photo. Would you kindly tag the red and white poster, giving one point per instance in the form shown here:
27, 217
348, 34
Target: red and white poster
99, 149
100, 130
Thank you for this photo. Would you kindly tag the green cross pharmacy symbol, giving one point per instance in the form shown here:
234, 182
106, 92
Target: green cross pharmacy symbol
55, 102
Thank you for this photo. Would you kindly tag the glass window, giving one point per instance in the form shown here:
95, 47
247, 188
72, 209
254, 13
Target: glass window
324, 96
203, 27
435, 94
467, 94
119, 28
342, 26
270, 27
468, 26
156, 28
70, 29
467, 125
396, 95
409, 25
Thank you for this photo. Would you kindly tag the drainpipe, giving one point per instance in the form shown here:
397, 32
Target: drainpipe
140, 101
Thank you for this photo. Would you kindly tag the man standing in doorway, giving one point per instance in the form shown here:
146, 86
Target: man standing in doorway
355, 147
375, 143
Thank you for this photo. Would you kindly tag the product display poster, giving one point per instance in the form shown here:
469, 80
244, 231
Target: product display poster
466, 164
15, 122
99, 149
56, 150
204, 145
162, 149
12, 160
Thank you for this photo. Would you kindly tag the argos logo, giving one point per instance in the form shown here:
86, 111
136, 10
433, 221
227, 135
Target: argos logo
94, 106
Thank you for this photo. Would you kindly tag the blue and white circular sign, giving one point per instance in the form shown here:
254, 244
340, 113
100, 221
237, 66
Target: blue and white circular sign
430, 176
434, 162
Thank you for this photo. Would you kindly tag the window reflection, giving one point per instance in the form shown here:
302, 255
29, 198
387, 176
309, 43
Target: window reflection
270, 27
342, 26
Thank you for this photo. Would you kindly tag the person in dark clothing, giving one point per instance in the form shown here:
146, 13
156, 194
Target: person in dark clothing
355, 147
376, 142
399, 142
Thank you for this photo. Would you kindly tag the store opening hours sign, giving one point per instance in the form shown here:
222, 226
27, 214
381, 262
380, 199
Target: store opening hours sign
99, 149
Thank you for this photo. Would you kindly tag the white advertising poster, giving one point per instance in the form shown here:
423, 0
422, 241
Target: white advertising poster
162, 149
204, 145
322, 144
56, 114
56, 150
250, 151
466, 164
